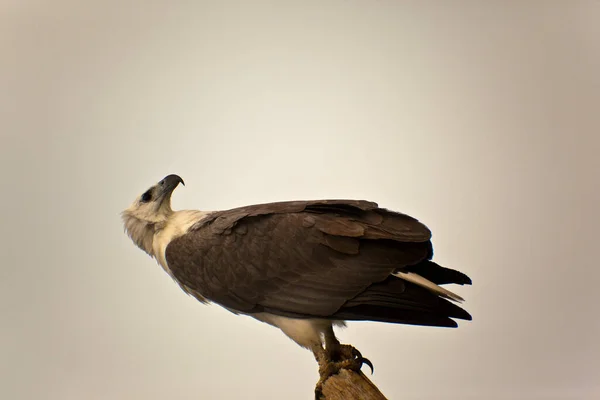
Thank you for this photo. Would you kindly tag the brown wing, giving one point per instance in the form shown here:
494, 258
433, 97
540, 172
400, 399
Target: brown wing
305, 259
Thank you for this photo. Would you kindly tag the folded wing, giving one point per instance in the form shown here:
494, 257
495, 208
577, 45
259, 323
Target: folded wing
315, 259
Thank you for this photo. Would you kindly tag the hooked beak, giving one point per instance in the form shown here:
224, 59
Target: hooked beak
168, 184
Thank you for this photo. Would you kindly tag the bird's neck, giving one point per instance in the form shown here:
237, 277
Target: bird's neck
176, 225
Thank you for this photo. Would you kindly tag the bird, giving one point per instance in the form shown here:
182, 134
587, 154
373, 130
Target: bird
303, 266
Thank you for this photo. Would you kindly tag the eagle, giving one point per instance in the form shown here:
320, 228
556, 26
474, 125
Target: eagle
301, 266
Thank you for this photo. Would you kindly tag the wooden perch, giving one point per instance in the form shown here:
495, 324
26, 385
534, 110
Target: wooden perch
350, 385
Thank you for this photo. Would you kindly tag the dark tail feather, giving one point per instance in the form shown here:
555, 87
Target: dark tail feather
397, 301
394, 316
438, 274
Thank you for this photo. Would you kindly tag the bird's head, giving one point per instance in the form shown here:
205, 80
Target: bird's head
150, 212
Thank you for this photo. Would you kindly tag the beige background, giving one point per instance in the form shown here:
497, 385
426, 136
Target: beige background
480, 118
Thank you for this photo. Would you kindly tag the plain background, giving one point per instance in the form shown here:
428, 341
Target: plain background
482, 119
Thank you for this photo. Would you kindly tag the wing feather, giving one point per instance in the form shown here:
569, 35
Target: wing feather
303, 258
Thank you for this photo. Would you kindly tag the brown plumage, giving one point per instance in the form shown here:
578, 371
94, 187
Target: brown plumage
330, 259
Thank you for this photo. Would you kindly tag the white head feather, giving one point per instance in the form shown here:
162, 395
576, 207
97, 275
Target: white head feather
149, 213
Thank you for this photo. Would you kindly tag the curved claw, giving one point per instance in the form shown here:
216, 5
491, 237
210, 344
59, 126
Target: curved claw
369, 363
358, 356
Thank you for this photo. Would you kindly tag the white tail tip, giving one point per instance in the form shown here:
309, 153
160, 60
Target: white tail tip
426, 283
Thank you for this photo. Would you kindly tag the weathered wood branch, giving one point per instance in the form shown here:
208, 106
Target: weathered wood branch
350, 385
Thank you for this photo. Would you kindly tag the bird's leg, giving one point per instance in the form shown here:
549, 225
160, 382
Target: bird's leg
346, 354
335, 357
332, 344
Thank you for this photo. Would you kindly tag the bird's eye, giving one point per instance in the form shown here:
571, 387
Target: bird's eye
147, 196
